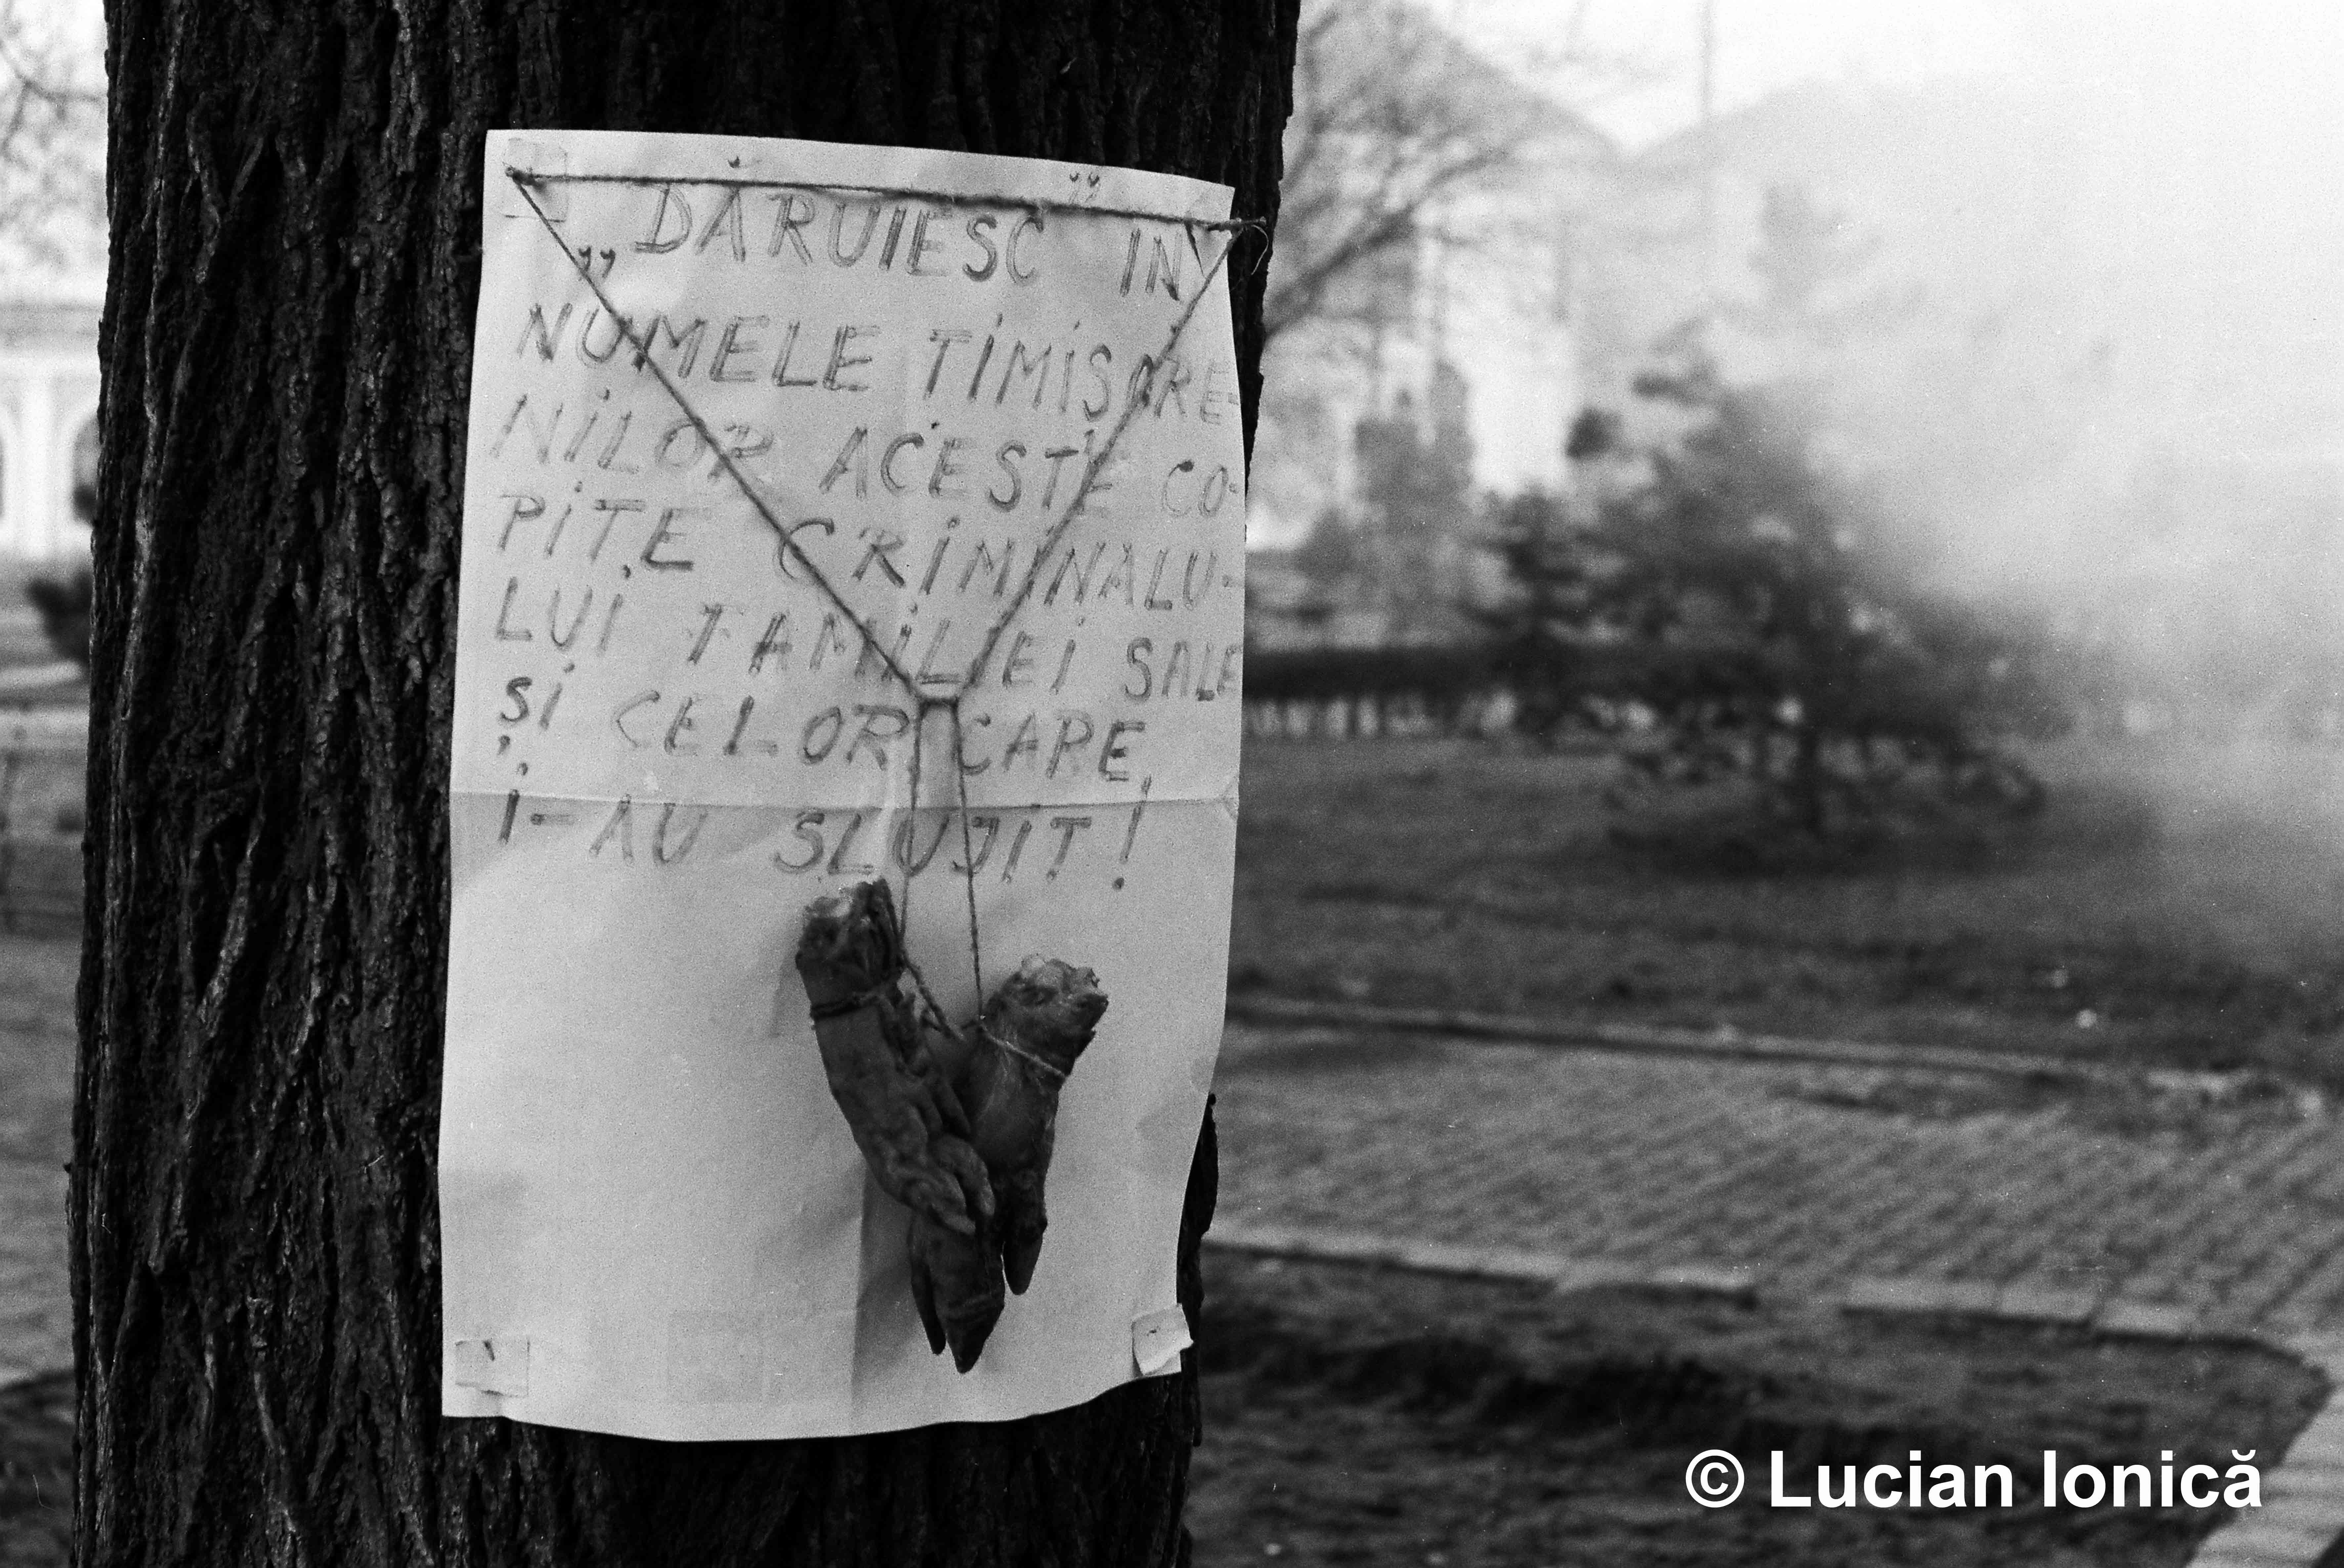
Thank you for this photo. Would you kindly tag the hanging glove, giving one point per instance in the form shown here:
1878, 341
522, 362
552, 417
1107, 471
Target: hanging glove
899, 1106
959, 1127
956, 1285
1006, 1068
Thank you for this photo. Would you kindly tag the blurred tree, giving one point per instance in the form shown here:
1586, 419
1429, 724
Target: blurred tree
52, 216
62, 602
1406, 151
296, 206
1745, 611
1396, 125
1416, 486
1330, 555
1594, 432
51, 143
1540, 636
1391, 115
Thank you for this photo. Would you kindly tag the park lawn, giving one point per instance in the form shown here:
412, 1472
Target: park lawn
1359, 1416
2169, 907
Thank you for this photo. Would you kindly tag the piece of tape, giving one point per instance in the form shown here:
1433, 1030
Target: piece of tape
1157, 1339
491, 1365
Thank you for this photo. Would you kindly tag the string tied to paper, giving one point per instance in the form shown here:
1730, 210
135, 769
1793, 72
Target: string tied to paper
925, 700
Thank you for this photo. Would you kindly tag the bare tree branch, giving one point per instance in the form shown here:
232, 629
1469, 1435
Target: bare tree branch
52, 145
1394, 122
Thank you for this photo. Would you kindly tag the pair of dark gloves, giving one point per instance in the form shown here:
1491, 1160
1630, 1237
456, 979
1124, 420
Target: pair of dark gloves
956, 1125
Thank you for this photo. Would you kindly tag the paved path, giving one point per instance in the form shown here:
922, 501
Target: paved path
2231, 1211
37, 1048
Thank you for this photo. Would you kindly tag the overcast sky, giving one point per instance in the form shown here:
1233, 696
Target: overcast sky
2279, 56
2289, 48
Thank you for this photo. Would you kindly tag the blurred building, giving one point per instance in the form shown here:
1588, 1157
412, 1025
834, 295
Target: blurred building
52, 262
48, 425
1463, 338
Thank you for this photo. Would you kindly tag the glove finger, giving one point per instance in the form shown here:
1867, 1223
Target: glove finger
1022, 1218
923, 1292
935, 1195
967, 1274
973, 1304
962, 1161
968, 1337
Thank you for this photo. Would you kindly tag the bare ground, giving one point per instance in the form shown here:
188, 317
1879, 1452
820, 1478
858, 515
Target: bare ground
1359, 1416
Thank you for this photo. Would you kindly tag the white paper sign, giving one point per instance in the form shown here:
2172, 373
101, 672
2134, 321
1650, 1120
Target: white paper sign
831, 512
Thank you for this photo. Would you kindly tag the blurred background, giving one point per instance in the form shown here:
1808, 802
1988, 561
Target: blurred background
1795, 710
1870, 438
1795, 687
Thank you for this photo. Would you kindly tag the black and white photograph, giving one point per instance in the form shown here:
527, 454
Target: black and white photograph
1005, 784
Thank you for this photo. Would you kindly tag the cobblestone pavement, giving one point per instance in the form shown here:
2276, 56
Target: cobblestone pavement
37, 1048
2223, 1200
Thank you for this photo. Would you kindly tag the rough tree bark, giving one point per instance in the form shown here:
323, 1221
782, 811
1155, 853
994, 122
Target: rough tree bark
295, 210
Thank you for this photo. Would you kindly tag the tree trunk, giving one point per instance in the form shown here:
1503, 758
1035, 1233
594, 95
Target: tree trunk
295, 205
